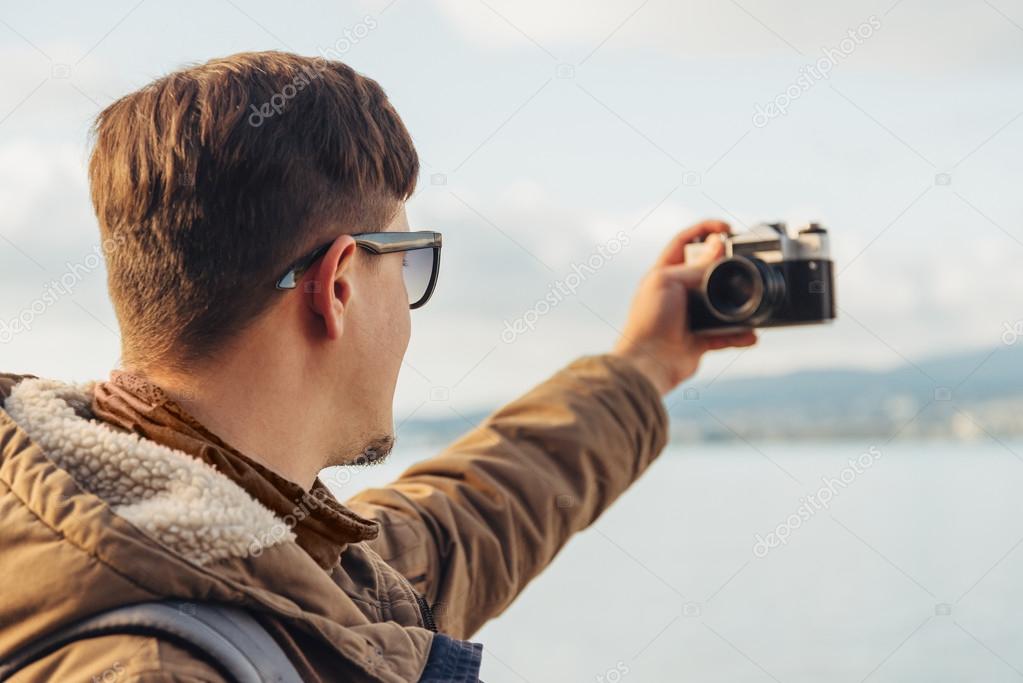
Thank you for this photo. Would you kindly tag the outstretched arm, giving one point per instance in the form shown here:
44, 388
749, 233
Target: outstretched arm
471, 526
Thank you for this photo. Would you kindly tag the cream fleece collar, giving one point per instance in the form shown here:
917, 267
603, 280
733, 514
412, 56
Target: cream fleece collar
179, 501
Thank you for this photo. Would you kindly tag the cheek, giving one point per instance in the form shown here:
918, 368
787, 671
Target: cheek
381, 339
398, 284
399, 324
400, 341
387, 320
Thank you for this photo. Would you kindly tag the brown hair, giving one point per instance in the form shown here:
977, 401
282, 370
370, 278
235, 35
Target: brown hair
213, 179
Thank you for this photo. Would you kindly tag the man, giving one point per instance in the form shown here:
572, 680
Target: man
262, 270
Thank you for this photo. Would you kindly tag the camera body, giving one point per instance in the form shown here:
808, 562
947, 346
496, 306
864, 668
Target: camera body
767, 278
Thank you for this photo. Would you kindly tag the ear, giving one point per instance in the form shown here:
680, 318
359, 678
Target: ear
328, 287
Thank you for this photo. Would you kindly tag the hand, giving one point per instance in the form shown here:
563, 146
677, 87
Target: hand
656, 338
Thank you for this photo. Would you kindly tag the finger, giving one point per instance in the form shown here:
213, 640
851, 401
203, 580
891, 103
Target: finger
726, 341
674, 253
713, 250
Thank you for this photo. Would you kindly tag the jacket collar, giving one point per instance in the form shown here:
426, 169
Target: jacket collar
321, 525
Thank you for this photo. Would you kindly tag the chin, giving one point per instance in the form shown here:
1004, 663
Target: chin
375, 450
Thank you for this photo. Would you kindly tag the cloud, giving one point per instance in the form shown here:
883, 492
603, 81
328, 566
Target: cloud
898, 299
553, 178
913, 35
43, 191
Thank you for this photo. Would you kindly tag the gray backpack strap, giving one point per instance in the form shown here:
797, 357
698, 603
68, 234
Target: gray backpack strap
225, 637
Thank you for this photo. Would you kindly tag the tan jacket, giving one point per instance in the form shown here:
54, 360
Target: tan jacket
111, 494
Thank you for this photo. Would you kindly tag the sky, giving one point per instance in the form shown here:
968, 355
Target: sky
551, 132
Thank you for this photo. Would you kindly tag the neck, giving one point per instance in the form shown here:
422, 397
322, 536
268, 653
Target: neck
262, 409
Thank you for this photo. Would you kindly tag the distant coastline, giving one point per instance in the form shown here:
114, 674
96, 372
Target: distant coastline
963, 396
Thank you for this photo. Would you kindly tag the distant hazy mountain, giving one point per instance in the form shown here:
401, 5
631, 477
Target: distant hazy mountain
962, 395
977, 394
971, 375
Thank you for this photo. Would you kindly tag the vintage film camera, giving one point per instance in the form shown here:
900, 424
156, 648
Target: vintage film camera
767, 278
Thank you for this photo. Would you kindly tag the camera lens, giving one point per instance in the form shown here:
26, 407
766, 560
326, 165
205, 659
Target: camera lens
739, 289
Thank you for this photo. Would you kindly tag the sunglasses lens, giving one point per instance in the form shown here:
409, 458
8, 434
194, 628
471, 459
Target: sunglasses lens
418, 269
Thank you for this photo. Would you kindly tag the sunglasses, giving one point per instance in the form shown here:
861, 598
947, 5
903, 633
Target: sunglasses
419, 268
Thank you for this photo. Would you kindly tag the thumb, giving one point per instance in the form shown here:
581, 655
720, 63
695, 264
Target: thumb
689, 276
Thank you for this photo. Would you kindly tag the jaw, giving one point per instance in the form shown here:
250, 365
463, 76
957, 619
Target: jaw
368, 450
376, 451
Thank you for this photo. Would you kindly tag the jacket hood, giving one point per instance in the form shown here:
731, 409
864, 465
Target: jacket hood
96, 518
177, 500
323, 527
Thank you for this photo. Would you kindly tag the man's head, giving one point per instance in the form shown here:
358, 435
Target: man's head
212, 180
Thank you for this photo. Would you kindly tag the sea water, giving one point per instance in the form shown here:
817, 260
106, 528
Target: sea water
812, 562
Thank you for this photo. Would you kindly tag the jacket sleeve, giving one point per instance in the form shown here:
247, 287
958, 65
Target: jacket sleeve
473, 525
